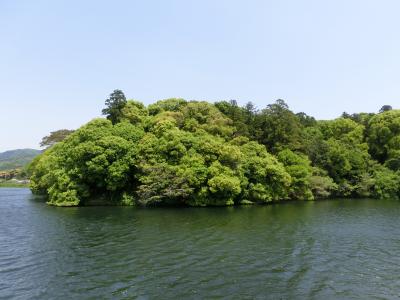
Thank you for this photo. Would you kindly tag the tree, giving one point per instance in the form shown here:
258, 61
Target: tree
384, 135
387, 183
114, 105
241, 117
300, 171
134, 112
338, 148
55, 137
322, 186
360, 118
97, 161
385, 108
306, 120
171, 104
279, 127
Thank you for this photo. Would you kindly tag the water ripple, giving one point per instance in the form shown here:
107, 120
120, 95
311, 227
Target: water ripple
329, 249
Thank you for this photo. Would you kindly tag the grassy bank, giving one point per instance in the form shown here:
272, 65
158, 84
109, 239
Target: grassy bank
10, 184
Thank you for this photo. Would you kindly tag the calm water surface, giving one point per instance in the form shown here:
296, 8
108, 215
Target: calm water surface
337, 249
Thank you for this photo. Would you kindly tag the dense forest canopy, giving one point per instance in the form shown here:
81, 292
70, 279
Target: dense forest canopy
197, 153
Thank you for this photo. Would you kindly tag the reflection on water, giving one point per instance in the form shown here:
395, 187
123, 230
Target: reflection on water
331, 249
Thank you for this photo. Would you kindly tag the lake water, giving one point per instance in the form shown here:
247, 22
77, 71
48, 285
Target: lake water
299, 250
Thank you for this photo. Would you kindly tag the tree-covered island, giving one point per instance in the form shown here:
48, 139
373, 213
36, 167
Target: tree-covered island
177, 152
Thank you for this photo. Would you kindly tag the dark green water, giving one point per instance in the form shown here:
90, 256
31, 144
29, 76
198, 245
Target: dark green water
337, 249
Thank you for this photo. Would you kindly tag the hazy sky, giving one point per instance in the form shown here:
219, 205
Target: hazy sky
59, 60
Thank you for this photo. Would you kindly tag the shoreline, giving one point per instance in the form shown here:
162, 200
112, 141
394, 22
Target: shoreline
13, 185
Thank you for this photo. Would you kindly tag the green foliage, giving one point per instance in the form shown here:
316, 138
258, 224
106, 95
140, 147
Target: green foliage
300, 170
243, 118
178, 152
55, 137
172, 104
306, 120
205, 116
279, 128
265, 179
342, 129
96, 160
322, 186
114, 106
134, 112
338, 147
387, 183
360, 118
384, 137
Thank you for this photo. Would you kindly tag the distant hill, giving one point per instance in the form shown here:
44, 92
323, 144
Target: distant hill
18, 158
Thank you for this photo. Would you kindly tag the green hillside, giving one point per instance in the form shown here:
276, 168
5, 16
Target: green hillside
15, 159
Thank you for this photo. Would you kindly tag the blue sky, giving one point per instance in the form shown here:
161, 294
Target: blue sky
59, 60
